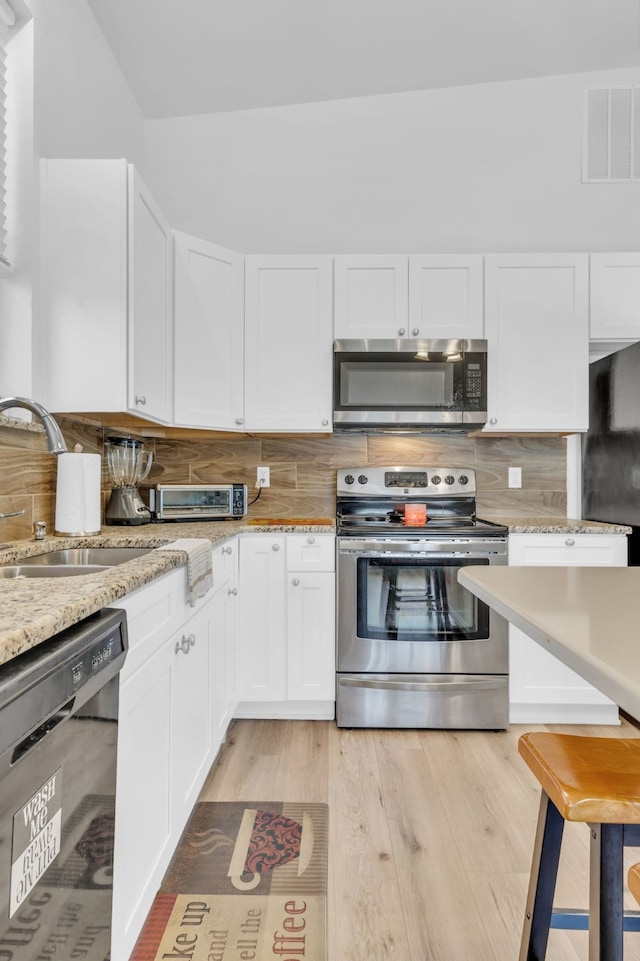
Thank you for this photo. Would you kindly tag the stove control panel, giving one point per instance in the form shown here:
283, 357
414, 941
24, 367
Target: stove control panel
407, 481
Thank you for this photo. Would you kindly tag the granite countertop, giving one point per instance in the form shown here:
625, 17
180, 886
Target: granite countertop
555, 525
588, 619
34, 609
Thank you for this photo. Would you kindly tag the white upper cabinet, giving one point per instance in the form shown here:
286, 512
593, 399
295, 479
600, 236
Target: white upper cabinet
288, 343
209, 334
371, 297
430, 296
150, 366
615, 296
536, 325
445, 297
104, 307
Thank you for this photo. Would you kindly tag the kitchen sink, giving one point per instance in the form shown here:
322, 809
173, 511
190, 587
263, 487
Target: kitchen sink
72, 561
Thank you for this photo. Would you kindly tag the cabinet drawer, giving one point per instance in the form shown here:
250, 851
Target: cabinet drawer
311, 552
154, 612
568, 550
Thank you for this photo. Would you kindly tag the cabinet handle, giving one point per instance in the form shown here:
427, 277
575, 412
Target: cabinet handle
227, 550
493, 420
401, 332
141, 399
239, 420
232, 590
275, 547
295, 581
415, 331
325, 422
311, 540
570, 542
185, 644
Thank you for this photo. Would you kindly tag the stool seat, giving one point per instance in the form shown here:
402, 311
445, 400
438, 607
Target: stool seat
587, 778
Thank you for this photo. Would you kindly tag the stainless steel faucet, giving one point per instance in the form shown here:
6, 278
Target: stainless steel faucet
55, 440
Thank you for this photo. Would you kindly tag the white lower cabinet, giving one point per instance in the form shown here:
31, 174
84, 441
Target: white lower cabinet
286, 633
542, 690
174, 709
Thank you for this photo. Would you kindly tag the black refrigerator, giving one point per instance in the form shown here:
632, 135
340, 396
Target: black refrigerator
611, 447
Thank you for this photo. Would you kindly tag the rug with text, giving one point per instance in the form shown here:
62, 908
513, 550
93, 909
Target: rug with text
248, 882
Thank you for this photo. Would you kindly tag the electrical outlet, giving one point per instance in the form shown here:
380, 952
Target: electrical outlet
263, 479
515, 477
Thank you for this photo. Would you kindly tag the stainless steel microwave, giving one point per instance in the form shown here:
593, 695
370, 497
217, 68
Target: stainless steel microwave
409, 385
195, 502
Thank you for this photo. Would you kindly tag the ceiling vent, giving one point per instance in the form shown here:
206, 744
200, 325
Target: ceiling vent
611, 150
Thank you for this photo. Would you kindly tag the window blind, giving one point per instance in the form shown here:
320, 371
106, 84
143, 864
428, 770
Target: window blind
7, 20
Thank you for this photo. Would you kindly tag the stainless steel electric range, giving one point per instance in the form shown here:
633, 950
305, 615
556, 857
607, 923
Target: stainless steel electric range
414, 648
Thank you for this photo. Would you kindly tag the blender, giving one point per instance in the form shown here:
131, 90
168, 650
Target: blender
128, 463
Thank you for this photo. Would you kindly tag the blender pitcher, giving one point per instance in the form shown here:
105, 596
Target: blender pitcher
128, 464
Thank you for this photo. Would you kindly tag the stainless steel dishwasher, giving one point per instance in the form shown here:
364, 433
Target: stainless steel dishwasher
58, 737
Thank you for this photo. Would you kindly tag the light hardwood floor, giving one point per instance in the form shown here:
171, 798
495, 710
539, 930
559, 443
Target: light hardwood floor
431, 834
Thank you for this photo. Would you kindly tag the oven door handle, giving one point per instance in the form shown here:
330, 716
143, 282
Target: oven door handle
434, 554
479, 683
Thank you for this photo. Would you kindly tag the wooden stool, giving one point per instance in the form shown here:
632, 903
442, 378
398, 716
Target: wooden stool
595, 780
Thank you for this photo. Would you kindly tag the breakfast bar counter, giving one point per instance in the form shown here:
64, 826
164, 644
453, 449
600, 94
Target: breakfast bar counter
587, 617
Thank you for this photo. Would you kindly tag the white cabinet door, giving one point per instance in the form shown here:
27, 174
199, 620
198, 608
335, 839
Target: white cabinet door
311, 636
615, 296
150, 305
371, 297
288, 343
541, 688
143, 836
536, 325
446, 297
209, 335
224, 619
191, 705
261, 665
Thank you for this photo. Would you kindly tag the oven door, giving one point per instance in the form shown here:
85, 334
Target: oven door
401, 608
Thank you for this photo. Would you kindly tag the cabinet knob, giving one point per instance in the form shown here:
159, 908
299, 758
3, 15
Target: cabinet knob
325, 422
141, 399
311, 540
232, 590
401, 332
570, 542
275, 547
239, 420
415, 331
185, 645
296, 581
493, 420
226, 550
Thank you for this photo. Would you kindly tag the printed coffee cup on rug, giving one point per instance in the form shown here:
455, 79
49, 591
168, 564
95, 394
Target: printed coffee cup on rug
266, 841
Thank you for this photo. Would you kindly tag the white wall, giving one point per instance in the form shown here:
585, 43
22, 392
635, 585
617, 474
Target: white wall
478, 168
83, 106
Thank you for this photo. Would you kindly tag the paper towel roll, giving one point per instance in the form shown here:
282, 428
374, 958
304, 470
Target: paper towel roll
78, 494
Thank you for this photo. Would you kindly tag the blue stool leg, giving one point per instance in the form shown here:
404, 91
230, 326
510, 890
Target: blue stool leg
606, 912
542, 882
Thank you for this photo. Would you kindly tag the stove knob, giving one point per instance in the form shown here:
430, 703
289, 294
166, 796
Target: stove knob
463, 479
363, 479
449, 479
436, 479
349, 479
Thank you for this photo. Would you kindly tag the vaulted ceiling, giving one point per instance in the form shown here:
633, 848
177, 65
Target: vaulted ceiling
186, 57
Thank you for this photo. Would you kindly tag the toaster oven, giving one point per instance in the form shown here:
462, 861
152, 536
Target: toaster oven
195, 502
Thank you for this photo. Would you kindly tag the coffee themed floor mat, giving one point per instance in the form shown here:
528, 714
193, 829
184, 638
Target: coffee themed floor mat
247, 881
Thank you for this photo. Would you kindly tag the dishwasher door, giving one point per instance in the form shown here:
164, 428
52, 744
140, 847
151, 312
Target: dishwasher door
58, 737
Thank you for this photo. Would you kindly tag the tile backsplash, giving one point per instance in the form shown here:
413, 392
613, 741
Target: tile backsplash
303, 468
